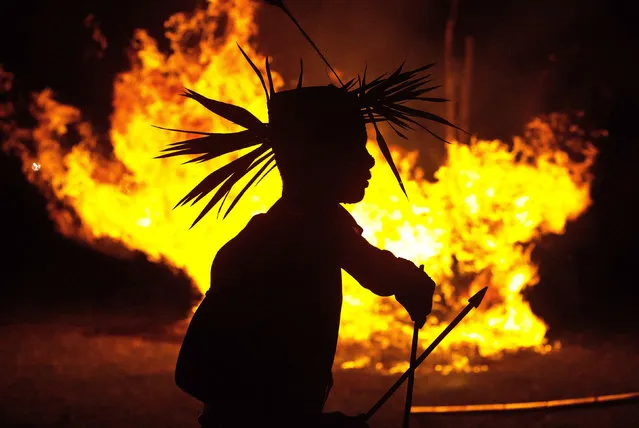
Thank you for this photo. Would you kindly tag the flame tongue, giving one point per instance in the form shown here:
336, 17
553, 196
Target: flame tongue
475, 227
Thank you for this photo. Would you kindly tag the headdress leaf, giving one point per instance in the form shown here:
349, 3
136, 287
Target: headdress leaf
389, 98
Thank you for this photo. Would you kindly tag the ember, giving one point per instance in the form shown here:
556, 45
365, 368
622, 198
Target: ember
475, 226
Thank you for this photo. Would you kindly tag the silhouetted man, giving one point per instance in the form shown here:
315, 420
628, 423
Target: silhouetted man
260, 347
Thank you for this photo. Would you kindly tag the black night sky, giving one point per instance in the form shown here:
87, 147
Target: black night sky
531, 57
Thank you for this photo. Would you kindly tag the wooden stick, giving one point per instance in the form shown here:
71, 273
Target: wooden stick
473, 302
598, 400
449, 71
411, 378
466, 86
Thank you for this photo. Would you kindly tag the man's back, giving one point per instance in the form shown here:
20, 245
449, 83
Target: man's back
264, 337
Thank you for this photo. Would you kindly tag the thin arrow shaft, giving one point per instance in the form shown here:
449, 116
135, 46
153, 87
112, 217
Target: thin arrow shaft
419, 360
286, 10
411, 378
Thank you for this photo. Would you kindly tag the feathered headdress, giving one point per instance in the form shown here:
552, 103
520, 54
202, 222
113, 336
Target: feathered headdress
382, 100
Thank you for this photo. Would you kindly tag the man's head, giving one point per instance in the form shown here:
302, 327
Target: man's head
316, 136
319, 139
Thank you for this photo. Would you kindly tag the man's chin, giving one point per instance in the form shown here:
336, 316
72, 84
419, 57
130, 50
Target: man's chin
353, 197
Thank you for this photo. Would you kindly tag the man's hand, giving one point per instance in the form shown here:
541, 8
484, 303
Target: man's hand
416, 291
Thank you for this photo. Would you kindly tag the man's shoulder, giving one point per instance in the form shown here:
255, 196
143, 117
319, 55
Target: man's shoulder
241, 252
256, 230
283, 229
262, 233
348, 221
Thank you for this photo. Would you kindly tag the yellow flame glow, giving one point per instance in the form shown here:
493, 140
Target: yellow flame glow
475, 226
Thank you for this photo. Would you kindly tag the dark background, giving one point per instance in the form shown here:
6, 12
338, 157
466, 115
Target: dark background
531, 57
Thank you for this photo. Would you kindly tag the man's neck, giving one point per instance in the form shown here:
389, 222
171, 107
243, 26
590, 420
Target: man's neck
307, 201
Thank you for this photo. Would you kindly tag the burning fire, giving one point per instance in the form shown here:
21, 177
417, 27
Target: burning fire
476, 226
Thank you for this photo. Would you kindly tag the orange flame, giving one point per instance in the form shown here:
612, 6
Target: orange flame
476, 226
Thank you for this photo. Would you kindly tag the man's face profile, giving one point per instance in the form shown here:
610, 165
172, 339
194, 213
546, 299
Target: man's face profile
320, 144
347, 165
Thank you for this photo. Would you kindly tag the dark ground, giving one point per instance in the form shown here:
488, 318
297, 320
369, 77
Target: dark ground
580, 51
88, 370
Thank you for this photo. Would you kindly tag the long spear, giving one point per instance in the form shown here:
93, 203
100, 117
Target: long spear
411, 377
473, 302
282, 6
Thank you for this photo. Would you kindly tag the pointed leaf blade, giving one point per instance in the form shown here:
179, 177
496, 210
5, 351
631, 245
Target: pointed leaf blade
230, 112
255, 69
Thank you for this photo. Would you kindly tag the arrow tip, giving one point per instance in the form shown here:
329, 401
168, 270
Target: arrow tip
478, 297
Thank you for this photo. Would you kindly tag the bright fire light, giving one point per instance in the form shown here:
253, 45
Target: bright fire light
475, 226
